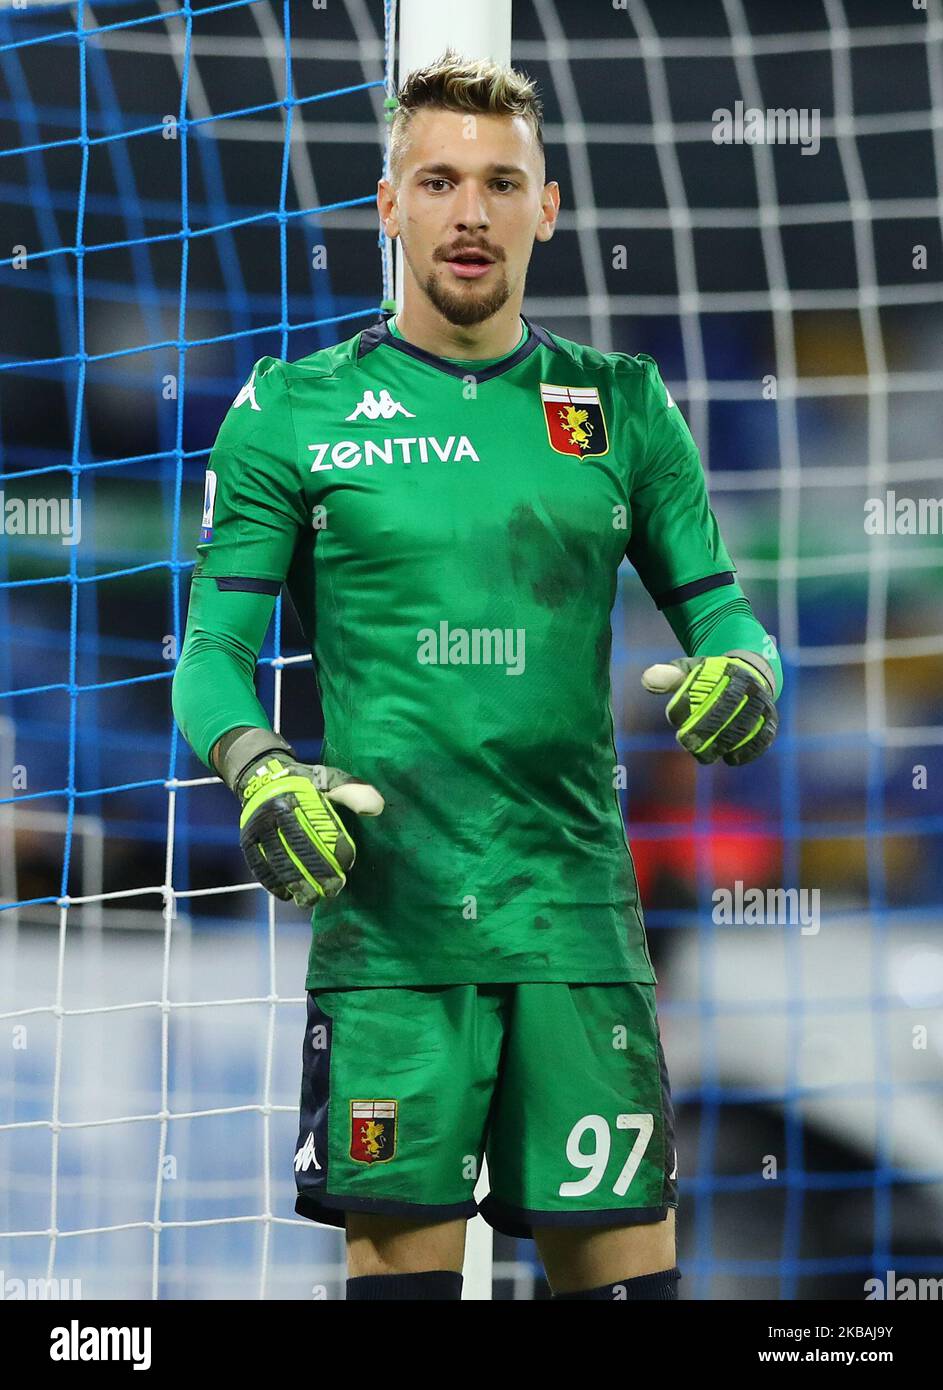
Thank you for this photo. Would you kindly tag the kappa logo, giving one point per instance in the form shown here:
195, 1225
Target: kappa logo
379, 408
247, 394
575, 421
306, 1155
372, 1130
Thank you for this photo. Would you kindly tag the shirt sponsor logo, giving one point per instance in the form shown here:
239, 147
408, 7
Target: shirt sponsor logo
372, 1130
576, 424
379, 408
209, 505
347, 453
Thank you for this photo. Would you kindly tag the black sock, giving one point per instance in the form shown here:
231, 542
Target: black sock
433, 1283
661, 1286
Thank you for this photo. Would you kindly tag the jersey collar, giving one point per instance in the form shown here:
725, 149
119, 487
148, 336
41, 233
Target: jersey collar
380, 333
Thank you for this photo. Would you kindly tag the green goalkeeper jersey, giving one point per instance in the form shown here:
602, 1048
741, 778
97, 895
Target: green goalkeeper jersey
450, 535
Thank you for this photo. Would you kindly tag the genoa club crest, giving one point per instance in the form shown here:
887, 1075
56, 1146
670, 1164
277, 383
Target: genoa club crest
575, 422
372, 1130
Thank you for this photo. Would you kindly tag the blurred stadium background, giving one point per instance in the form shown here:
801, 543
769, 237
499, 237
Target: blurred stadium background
193, 188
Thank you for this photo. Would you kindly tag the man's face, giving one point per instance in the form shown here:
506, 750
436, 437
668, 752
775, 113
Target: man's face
470, 202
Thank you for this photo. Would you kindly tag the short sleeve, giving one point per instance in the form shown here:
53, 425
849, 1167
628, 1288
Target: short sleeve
674, 544
253, 505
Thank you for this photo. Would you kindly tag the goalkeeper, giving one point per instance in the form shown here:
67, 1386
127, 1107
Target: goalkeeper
452, 554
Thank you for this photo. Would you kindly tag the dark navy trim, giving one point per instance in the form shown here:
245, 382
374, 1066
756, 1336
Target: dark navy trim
315, 1101
379, 333
329, 1210
518, 1221
696, 586
670, 1188
249, 586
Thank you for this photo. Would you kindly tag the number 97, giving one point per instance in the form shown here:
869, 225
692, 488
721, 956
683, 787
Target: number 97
597, 1161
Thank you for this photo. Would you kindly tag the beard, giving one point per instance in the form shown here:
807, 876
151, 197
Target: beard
465, 306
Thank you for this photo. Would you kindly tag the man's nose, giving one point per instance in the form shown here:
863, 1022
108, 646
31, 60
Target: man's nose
471, 215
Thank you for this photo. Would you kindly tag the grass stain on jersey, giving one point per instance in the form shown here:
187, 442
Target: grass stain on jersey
504, 892
341, 942
540, 560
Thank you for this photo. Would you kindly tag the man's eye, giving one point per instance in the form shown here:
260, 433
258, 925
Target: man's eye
502, 185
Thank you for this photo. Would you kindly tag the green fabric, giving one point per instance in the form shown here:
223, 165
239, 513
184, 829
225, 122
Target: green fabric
453, 560
213, 686
401, 1085
674, 537
722, 621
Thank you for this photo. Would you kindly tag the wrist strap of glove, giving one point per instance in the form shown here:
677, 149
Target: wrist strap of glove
755, 660
242, 748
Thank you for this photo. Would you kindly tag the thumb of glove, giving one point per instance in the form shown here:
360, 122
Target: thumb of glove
664, 677
347, 790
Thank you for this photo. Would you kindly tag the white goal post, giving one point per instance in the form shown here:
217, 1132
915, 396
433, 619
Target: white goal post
479, 30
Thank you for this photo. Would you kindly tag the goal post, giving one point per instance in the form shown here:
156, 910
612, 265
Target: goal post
480, 30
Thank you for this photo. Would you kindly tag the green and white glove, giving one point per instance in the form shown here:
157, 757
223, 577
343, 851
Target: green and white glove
721, 706
293, 840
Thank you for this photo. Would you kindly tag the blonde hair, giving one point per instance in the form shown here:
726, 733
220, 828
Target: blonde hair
453, 83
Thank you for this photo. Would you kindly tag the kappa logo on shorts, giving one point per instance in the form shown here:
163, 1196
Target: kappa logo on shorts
575, 420
372, 1130
307, 1155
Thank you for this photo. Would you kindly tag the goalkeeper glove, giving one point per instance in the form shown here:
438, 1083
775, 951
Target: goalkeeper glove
293, 839
721, 706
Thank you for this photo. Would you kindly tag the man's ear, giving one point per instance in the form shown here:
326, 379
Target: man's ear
388, 208
549, 210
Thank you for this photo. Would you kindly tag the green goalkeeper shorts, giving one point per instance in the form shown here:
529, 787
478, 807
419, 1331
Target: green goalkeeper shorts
563, 1088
